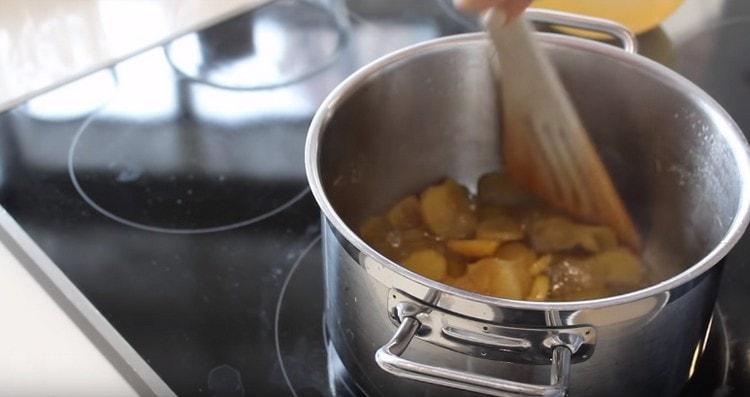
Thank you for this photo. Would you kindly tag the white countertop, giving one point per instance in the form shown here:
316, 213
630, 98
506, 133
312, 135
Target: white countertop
44, 43
42, 352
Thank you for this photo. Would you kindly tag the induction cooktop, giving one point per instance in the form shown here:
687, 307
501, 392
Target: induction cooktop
170, 189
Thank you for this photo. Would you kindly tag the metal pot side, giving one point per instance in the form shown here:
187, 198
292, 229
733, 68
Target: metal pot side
430, 111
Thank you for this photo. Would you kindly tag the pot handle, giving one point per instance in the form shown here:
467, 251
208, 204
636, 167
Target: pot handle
627, 39
389, 358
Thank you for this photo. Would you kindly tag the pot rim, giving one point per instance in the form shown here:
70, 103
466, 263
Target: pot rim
731, 133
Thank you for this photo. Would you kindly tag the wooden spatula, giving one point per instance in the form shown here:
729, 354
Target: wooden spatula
545, 146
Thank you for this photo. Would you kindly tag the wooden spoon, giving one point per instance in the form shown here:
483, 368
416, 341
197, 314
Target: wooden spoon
546, 148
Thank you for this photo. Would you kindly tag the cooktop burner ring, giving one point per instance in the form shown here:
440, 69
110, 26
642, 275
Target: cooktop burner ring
81, 190
231, 64
277, 313
308, 350
710, 373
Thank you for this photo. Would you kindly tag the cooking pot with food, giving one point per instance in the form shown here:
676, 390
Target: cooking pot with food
429, 112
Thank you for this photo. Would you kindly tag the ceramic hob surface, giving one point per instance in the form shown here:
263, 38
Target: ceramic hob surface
170, 188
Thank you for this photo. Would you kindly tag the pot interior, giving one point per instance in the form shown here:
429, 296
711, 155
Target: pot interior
432, 112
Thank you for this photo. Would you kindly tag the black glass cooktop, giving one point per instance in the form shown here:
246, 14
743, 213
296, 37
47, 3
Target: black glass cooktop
170, 188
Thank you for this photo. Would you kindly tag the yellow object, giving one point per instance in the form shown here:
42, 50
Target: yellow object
406, 214
540, 265
516, 252
473, 248
557, 233
539, 289
500, 228
496, 277
456, 265
403, 243
374, 231
508, 279
485, 245
621, 266
446, 209
427, 262
638, 15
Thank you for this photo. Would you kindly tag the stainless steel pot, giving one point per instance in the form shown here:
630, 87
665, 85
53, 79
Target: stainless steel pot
430, 111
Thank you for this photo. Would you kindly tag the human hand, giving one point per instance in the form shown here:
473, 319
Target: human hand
512, 8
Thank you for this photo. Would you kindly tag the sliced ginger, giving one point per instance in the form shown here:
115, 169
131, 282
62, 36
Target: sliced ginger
619, 266
501, 228
517, 252
539, 288
427, 262
540, 265
495, 277
447, 210
557, 233
457, 264
406, 214
501, 243
473, 248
